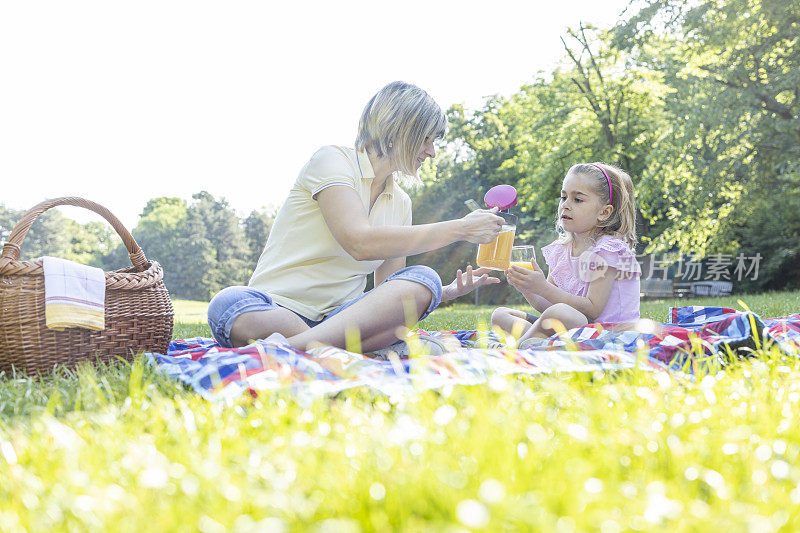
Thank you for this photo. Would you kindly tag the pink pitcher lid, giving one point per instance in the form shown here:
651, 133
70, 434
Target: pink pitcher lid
501, 196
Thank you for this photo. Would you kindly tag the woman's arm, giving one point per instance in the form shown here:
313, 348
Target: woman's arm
347, 219
467, 282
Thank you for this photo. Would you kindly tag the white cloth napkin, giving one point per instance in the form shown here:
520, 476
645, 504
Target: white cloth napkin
74, 294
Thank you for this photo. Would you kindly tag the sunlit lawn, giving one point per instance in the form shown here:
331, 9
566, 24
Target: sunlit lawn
190, 312
122, 449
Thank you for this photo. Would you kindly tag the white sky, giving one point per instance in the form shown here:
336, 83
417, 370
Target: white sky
120, 102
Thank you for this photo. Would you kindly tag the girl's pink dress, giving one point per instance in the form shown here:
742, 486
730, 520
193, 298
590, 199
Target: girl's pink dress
573, 274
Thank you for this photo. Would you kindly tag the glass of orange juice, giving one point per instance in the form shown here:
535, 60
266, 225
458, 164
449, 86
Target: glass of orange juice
522, 256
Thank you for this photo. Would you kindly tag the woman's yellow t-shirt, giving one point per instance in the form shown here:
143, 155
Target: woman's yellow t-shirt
302, 266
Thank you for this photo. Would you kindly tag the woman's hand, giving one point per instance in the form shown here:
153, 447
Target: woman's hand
481, 226
528, 282
466, 282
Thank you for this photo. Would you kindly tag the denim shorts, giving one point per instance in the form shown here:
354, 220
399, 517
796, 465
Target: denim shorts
229, 303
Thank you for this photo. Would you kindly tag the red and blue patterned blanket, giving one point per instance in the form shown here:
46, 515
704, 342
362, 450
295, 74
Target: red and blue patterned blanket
694, 335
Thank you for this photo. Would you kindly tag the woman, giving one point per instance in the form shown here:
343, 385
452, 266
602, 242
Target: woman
346, 218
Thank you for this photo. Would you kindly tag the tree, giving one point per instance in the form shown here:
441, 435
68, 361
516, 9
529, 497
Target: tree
732, 154
89, 242
625, 100
158, 234
257, 226
195, 265
47, 236
215, 221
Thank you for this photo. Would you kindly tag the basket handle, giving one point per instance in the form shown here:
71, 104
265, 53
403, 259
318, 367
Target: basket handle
11, 249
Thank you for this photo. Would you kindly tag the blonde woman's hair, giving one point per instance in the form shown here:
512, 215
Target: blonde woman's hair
622, 221
396, 122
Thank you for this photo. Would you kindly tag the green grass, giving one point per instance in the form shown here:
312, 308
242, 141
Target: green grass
190, 311
120, 448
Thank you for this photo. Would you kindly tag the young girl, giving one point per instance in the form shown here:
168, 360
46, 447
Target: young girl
594, 275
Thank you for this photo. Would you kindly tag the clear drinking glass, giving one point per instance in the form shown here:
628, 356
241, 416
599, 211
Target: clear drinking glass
522, 256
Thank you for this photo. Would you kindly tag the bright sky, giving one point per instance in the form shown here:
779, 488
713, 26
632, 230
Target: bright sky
120, 102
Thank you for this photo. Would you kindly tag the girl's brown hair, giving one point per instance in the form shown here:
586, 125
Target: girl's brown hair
622, 221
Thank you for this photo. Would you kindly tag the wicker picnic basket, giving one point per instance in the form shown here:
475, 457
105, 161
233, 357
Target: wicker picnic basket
138, 310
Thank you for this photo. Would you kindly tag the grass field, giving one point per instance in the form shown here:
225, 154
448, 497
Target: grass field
119, 448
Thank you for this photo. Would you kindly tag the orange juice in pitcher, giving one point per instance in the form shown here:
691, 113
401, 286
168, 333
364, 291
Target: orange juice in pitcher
496, 255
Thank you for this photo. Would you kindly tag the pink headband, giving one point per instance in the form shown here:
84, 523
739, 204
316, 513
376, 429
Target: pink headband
610, 190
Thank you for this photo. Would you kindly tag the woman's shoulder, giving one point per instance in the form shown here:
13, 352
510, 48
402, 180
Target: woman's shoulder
333, 154
401, 194
330, 165
331, 160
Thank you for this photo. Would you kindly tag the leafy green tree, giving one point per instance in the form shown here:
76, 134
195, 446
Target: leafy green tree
47, 235
257, 226
195, 263
732, 154
158, 234
202, 246
217, 222
89, 242
625, 101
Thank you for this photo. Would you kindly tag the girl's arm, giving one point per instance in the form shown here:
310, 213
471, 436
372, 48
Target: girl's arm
538, 302
346, 218
596, 298
535, 288
523, 286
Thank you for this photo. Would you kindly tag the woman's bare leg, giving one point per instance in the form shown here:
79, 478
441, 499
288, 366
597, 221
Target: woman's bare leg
376, 317
261, 324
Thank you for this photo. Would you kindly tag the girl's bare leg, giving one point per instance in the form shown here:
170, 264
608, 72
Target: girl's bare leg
510, 320
554, 318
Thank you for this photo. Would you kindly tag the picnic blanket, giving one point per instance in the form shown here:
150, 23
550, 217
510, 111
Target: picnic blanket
693, 336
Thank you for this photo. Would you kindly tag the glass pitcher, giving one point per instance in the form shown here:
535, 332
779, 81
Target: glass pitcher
496, 255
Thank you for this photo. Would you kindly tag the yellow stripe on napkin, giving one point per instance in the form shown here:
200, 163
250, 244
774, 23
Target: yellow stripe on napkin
61, 316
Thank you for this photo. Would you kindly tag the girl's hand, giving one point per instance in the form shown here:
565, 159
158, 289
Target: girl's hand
466, 282
528, 282
481, 226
